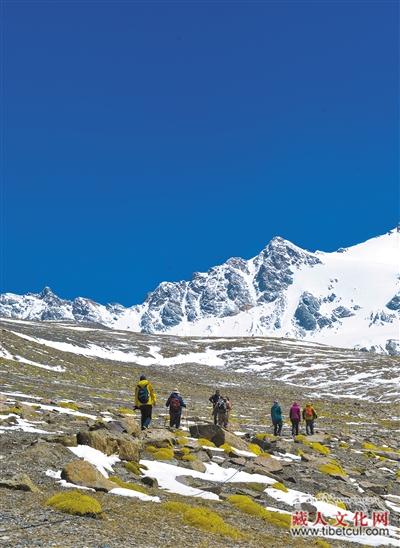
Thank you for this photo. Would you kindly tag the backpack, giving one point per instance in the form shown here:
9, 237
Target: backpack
174, 404
221, 406
143, 394
309, 413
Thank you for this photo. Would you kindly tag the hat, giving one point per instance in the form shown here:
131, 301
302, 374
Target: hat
175, 390
275, 401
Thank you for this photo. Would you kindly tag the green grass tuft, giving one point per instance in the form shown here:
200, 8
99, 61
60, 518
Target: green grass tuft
204, 519
247, 505
69, 405
128, 484
204, 441
75, 503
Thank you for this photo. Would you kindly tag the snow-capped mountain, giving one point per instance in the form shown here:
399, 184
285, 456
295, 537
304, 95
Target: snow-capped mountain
348, 298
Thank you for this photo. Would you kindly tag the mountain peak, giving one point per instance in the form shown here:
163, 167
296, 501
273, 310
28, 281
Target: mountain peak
46, 292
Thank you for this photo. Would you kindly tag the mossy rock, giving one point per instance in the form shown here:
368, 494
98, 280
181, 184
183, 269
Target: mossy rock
333, 469
316, 446
15, 410
165, 453
182, 440
280, 486
133, 467
227, 448
76, 503
189, 458
254, 448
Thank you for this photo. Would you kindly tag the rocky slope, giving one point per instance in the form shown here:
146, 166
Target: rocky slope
67, 425
349, 298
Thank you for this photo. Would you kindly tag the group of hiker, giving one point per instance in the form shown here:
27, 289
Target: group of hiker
145, 399
295, 414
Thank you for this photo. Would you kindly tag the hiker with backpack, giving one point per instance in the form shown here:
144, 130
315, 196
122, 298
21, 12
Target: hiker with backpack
145, 398
276, 417
295, 418
228, 411
214, 400
175, 404
309, 415
221, 411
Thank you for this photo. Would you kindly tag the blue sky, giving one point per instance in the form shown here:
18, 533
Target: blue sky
144, 141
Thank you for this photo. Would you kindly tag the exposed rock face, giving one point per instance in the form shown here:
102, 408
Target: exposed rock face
394, 304
83, 473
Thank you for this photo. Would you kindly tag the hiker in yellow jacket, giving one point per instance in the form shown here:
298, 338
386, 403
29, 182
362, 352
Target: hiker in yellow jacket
145, 398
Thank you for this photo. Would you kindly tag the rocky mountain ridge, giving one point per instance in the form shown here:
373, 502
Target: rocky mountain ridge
349, 298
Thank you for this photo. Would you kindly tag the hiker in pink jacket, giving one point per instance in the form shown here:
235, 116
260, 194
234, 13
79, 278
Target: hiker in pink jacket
295, 417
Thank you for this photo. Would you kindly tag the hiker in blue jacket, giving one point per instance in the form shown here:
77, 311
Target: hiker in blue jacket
176, 404
276, 416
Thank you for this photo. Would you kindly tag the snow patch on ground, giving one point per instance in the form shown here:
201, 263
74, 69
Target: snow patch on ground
167, 474
102, 462
55, 368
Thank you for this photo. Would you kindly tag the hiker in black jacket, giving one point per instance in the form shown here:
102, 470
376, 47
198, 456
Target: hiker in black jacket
176, 404
214, 399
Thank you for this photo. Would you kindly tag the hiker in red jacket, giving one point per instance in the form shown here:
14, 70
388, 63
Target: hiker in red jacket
176, 404
295, 417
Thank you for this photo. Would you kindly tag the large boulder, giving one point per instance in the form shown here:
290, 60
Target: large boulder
217, 435
48, 454
158, 438
84, 474
267, 464
20, 482
127, 425
110, 443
